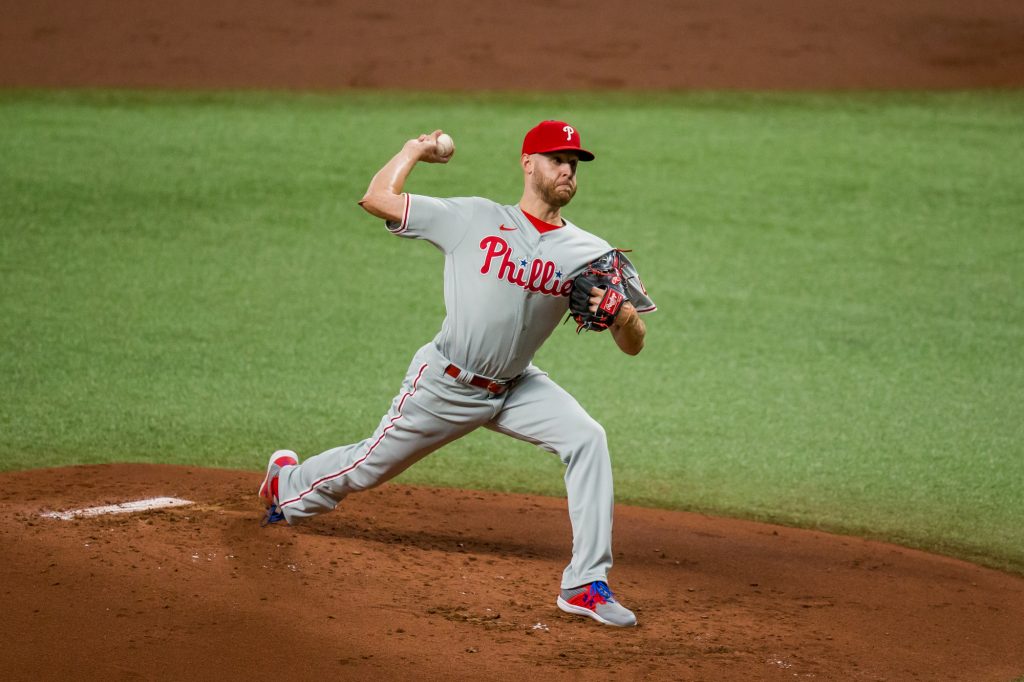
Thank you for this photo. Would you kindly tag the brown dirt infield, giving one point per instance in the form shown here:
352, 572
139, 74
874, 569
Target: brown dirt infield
416, 583
419, 583
535, 44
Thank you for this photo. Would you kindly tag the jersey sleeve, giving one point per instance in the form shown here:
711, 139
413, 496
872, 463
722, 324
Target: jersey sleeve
442, 222
635, 290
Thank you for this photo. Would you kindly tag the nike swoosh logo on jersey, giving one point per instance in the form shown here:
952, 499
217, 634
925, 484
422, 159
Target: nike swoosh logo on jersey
507, 229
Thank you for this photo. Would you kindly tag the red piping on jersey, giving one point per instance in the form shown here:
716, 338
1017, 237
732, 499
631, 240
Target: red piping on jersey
541, 226
405, 215
362, 459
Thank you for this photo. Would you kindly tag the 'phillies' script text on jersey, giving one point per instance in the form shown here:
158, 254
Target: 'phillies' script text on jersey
544, 276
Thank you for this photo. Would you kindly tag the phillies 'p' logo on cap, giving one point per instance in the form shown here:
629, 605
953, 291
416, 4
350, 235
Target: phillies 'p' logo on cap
555, 136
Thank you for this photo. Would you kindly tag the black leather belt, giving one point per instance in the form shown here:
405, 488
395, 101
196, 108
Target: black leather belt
495, 387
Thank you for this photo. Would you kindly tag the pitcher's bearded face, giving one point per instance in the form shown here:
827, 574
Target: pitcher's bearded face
554, 177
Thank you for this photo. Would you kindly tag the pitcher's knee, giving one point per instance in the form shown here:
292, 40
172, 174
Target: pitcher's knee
595, 433
364, 477
588, 439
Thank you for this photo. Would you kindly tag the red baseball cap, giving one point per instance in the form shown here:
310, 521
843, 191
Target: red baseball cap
554, 136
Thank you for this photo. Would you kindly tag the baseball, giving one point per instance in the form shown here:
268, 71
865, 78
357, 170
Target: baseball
445, 145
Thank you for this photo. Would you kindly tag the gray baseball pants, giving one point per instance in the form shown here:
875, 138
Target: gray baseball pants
433, 409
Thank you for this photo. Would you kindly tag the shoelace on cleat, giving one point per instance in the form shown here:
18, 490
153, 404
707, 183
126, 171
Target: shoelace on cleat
596, 593
602, 589
274, 514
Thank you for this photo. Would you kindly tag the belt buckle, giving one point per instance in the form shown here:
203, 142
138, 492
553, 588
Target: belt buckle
495, 388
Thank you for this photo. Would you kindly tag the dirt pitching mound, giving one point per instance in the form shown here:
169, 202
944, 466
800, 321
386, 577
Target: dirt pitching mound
417, 583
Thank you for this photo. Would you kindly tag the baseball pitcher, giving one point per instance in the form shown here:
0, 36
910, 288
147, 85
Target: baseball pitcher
511, 275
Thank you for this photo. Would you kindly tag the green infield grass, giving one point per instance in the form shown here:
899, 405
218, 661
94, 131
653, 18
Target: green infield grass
186, 278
